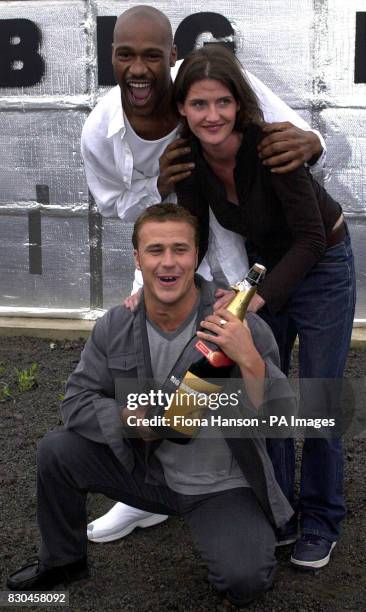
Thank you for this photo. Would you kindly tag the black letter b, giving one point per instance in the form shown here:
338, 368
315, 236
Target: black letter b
20, 63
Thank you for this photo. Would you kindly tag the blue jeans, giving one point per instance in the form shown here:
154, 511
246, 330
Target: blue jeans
320, 311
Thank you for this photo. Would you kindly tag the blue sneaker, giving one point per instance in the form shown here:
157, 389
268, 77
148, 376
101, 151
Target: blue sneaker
312, 552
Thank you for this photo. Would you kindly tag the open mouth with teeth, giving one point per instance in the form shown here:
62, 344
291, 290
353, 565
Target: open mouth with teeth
139, 91
167, 281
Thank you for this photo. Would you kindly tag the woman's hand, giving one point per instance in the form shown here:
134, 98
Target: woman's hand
132, 300
256, 303
224, 296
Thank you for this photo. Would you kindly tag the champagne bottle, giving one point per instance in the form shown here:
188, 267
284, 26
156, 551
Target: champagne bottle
190, 380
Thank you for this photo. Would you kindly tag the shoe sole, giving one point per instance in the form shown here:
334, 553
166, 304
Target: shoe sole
28, 585
313, 564
148, 522
280, 543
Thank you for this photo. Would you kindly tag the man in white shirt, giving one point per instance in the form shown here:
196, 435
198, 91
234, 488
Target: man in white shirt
130, 145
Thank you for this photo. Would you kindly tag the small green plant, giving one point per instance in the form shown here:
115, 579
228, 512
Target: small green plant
2, 368
5, 391
27, 379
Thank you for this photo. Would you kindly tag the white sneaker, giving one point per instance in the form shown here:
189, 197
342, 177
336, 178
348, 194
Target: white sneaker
120, 521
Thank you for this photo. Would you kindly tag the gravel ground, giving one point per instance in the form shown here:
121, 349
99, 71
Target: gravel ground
155, 569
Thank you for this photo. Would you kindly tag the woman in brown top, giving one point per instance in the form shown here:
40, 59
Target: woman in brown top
294, 227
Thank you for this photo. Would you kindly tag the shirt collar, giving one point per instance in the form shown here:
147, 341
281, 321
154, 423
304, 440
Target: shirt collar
116, 119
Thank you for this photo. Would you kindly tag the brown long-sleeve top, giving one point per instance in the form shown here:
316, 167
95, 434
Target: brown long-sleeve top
287, 217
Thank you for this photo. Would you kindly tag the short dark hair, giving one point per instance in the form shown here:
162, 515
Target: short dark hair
165, 212
215, 61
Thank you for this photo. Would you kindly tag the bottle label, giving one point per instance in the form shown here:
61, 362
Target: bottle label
243, 286
202, 348
189, 404
194, 384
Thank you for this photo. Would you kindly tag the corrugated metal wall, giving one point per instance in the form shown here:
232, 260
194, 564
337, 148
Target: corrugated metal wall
57, 256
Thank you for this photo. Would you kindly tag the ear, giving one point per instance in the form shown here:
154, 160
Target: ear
181, 109
173, 55
112, 46
136, 259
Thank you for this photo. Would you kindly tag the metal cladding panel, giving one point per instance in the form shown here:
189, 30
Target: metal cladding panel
304, 51
338, 57
62, 24
357, 229
346, 158
64, 281
42, 147
118, 264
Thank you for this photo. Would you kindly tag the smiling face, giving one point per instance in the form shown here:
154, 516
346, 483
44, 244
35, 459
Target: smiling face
166, 254
142, 57
210, 110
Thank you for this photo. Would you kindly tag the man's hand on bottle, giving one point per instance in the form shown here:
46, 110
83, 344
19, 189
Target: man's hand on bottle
143, 431
285, 147
231, 335
234, 338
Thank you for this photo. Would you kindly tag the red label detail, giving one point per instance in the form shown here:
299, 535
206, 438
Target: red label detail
217, 359
202, 348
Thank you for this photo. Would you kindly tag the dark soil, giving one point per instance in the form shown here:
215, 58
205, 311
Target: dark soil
155, 569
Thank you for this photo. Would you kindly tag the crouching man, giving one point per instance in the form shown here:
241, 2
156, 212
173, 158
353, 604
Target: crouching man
224, 488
